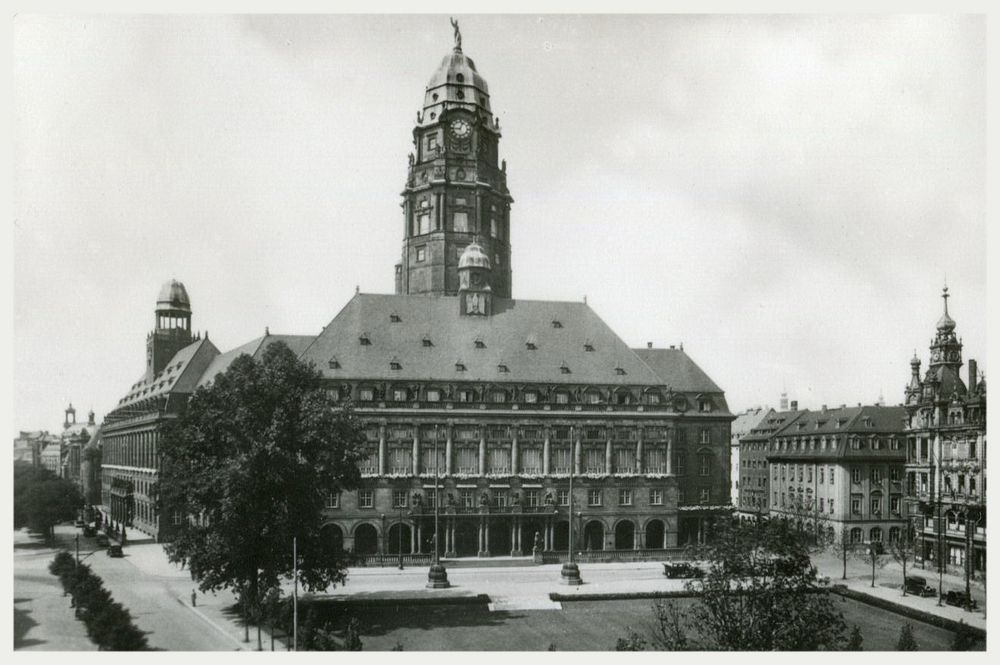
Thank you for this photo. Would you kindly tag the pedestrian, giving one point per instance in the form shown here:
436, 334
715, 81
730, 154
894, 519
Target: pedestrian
194, 598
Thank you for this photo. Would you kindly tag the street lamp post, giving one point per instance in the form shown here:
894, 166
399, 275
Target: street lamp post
399, 533
437, 576
570, 573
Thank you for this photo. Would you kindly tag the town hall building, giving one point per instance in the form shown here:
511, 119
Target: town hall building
500, 398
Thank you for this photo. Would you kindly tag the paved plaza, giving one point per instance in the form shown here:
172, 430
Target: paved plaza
158, 594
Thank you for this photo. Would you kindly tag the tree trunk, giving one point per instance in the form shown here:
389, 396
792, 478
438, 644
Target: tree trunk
845, 562
873, 570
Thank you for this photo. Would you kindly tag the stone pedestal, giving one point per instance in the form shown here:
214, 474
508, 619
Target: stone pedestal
437, 577
570, 574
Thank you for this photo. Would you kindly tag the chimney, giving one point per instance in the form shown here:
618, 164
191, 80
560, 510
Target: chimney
972, 375
843, 406
823, 408
671, 346
795, 405
649, 345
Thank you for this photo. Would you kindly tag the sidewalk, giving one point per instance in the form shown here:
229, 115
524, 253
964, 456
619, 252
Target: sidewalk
888, 586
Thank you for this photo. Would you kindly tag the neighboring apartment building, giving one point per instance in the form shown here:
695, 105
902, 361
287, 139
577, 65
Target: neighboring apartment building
838, 473
946, 455
754, 476
744, 423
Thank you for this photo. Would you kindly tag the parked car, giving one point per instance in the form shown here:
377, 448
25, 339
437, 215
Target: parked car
918, 586
80, 524
960, 599
89, 531
102, 540
115, 551
682, 570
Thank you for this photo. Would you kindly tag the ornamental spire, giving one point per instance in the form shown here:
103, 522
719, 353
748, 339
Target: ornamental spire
458, 35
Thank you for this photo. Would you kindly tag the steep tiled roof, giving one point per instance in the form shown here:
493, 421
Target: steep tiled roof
179, 376
676, 369
747, 421
845, 423
254, 348
391, 337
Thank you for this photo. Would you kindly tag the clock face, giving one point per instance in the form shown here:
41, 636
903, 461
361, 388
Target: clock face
460, 129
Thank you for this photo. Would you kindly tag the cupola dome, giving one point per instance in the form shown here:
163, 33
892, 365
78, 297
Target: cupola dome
173, 295
474, 257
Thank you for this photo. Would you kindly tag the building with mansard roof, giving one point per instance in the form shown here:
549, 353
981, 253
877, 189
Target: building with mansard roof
500, 398
946, 455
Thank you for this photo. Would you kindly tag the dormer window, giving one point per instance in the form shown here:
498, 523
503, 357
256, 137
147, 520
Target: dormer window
365, 340
588, 346
394, 364
394, 318
459, 367
704, 405
480, 344
530, 397
557, 324
620, 371
334, 363
530, 344
427, 341
564, 368
503, 369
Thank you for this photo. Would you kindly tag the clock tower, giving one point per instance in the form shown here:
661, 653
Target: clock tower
456, 188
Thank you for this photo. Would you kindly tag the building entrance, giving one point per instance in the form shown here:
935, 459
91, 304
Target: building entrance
466, 539
500, 543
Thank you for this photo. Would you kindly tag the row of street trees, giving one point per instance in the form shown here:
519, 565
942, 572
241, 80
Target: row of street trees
42, 499
250, 464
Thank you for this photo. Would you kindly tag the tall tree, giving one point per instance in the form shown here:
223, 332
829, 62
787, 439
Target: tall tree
250, 462
42, 499
903, 549
760, 593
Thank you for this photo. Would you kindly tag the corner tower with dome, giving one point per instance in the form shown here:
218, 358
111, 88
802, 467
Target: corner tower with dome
946, 456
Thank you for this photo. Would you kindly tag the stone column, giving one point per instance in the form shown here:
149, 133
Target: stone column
413, 538
416, 449
608, 468
639, 466
420, 539
577, 452
481, 537
482, 452
513, 453
486, 539
381, 449
546, 469
670, 451
448, 465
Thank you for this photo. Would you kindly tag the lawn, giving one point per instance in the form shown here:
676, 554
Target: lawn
579, 626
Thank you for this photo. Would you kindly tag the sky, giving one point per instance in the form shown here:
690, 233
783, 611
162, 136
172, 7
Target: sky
784, 195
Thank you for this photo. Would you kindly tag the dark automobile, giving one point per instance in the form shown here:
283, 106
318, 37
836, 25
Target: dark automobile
115, 551
682, 570
102, 540
80, 524
89, 531
960, 599
918, 586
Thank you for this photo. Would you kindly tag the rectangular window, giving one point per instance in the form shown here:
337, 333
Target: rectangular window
625, 497
831, 506
895, 474
705, 465
468, 460
594, 498
876, 475
856, 476
531, 498
705, 495
855, 505
530, 397
531, 460
399, 498
895, 502
498, 459
465, 395
499, 498
427, 458
421, 253
399, 395
562, 398
625, 460
433, 395
366, 395
680, 463
656, 497
468, 498
423, 226
831, 475
656, 459
594, 458
562, 459
366, 499
563, 497
460, 222
876, 505
369, 463
400, 461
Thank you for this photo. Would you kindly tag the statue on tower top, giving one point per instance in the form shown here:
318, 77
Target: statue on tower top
458, 34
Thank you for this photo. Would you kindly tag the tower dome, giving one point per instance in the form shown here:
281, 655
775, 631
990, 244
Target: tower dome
456, 84
173, 295
474, 257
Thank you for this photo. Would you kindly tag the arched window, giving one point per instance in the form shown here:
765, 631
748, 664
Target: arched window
857, 535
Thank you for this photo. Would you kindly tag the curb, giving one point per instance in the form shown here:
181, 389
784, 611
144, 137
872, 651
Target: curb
634, 595
907, 611
479, 599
